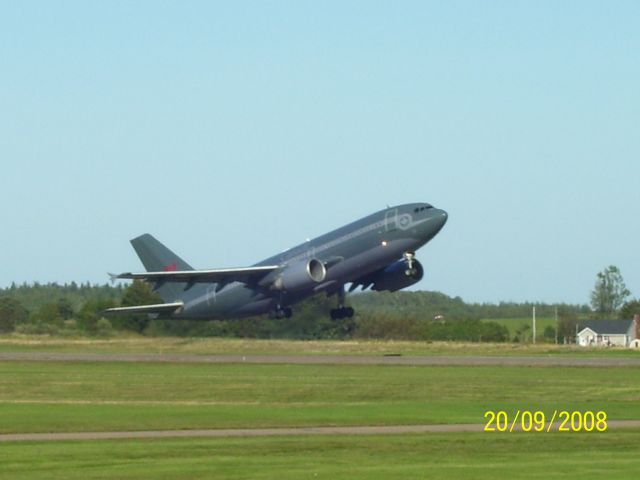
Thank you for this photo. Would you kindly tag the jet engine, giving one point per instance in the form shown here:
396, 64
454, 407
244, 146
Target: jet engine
300, 275
398, 275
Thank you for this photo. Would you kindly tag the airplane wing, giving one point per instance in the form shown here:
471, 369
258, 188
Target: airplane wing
158, 308
220, 275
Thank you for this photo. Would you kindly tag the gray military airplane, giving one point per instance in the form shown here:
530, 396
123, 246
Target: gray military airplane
377, 251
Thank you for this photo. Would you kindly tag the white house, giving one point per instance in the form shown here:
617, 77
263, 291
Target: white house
606, 333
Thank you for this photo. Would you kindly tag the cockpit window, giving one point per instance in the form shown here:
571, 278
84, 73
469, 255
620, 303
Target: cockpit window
423, 208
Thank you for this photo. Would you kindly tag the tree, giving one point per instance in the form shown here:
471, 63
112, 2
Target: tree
567, 321
11, 313
49, 314
138, 293
609, 292
90, 314
630, 309
65, 308
549, 333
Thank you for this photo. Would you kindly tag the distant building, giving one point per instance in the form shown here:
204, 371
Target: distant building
607, 333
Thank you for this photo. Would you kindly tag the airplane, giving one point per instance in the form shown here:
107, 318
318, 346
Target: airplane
377, 251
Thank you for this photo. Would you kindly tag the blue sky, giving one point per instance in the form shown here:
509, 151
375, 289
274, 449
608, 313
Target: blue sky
232, 131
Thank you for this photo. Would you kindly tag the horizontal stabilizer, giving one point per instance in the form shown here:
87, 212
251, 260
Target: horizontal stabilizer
226, 275
158, 308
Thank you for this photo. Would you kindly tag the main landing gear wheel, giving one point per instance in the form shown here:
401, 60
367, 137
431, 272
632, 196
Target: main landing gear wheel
342, 311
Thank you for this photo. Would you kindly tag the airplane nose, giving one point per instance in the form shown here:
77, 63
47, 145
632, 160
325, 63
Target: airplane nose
441, 218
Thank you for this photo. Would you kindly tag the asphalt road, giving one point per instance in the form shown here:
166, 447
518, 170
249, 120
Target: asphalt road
323, 359
270, 432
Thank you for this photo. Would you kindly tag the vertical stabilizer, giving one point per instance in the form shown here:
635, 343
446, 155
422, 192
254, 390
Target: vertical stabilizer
157, 258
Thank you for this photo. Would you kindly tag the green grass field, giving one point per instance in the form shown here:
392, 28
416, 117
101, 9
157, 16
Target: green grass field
137, 344
611, 455
106, 396
60, 396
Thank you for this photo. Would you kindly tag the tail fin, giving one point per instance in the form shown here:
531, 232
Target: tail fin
157, 258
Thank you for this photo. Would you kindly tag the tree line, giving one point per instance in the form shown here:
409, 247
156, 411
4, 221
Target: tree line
77, 309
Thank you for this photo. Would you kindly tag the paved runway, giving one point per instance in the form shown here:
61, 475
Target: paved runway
270, 432
324, 359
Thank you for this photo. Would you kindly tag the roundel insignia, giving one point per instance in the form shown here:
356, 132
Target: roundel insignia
404, 221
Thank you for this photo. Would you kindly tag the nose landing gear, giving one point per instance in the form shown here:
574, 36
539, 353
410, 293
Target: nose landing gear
408, 259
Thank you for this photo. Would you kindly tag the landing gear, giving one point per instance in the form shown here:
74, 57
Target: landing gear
280, 313
342, 311
408, 259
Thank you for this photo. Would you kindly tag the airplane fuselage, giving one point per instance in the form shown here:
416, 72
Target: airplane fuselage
350, 253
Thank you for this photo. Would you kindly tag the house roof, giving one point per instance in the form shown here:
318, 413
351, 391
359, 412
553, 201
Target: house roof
604, 327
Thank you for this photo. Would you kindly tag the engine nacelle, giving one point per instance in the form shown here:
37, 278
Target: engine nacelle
300, 275
397, 276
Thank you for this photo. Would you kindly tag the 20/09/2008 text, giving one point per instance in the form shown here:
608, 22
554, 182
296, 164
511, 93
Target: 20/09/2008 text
538, 421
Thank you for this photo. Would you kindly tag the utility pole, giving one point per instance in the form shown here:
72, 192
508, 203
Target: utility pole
556, 316
534, 324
